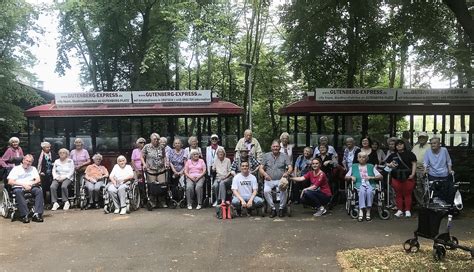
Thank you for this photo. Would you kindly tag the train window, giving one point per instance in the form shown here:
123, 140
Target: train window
82, 128
130, 129
107, 135
379, 125
35, 137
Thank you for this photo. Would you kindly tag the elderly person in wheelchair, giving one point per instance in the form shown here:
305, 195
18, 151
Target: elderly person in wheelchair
25, 178
94, 178
363, 176
438, 167
120, 177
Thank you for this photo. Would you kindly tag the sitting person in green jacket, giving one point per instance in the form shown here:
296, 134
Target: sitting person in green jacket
364, 176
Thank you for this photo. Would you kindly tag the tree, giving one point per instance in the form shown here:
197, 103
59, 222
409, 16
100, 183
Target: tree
18, 18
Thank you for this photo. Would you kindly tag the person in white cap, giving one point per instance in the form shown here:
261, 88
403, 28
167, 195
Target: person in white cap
419, 149
211, 152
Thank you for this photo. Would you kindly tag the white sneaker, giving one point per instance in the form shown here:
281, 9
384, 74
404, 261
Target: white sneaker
66, 206
407, 214
214, 204
190, 207
117, 211
123, 211
321, 211
198, 207
55, 206
399, 213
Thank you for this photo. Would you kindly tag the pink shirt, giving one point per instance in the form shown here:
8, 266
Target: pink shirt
79, 157
9, 154
194, 168
136, 158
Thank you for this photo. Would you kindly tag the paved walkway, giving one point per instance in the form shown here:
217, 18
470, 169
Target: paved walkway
194, 240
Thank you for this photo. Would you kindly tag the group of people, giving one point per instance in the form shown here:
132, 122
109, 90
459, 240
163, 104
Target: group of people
311, 173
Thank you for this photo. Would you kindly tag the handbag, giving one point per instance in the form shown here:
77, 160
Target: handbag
401, 174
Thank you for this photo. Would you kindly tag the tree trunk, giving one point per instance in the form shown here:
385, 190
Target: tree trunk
176, 68
352, 40
459, 8
403, 60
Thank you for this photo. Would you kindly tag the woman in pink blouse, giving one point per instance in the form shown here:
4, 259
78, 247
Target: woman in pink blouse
195, 171
13, 155
138, 167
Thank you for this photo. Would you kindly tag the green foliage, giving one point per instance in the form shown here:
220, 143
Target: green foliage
18, 18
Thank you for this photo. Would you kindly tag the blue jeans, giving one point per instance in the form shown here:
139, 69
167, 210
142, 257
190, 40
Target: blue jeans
257, 202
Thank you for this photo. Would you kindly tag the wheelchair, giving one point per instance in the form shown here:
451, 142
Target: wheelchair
8, 205
132, 201
352, 201
433, 193
84, 192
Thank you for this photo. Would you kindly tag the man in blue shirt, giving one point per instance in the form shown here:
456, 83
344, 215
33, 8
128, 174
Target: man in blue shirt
437, 164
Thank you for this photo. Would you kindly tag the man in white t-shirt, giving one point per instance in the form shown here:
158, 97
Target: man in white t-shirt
25, 178
244, 187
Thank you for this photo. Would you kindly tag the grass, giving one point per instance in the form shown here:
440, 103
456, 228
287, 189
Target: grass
395, 258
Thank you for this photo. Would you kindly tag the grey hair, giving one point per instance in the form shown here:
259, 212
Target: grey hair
308, 149
363, 155
435, 137
164, 140
121, 157
392, 139
154, 135
45, 144
140, 140
221, 149
14, 140
192, 138
63, 150
97, 156
248, 131
324, 137
194, 151
78, 140
179, 140
29, 156
350, 139
285, 135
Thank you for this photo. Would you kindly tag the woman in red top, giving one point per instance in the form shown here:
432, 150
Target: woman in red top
319, 193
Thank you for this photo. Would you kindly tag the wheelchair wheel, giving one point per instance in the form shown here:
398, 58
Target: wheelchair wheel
288, 211
173, 204
411, 246
384, 213
439, 252
354, 213
4, 206
451, 244
135, 201
182, 204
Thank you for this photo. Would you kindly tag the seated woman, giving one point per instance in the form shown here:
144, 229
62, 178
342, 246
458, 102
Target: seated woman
194, 170
318, 194
363, 175
223, 181
94, 180
63, 172
121, 174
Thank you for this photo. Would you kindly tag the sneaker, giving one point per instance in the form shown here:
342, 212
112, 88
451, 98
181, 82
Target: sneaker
55, 206
190, 207
407, 214
214, 204
25, 220
198, 207
123, 211
37, 218
117, 211
66, 206
273, 214
399, 213
320, 212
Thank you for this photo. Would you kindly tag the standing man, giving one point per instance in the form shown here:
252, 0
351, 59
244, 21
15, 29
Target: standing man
244, 188
275, 165
419, 149
250, 144
25, 178
437, 164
